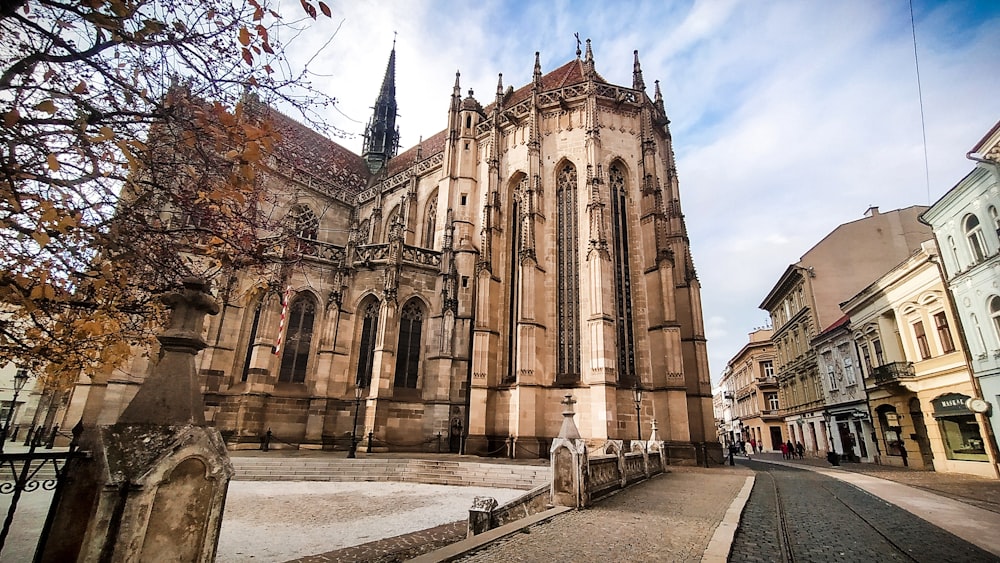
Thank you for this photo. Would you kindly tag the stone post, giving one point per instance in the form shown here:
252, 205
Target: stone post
569, 463
481, 515
155, 484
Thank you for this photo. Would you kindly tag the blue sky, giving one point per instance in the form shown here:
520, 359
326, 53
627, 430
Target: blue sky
788, 117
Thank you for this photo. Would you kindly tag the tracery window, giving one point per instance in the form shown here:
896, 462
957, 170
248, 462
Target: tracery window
364, 232
430, 220
366, 349
298, 338
568, 293
411, 320
974, 234
305, 227
513, 288
624, 335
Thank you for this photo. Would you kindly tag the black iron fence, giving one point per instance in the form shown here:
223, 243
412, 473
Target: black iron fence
33, 470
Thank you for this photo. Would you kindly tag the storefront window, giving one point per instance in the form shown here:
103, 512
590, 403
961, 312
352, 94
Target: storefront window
959, 428
962, 440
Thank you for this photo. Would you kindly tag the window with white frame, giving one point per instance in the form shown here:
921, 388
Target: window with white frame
772, 401
923, 346
995, 218
978, 332
767, 368
831, 374
995, 315
954, 254
974, 234
877, 348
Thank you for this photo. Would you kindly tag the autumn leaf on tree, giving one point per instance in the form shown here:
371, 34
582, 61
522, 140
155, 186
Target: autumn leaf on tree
115, 180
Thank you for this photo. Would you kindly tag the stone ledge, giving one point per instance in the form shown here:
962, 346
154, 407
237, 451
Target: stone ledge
467, 545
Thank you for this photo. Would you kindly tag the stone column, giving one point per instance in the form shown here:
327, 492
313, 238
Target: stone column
155, 483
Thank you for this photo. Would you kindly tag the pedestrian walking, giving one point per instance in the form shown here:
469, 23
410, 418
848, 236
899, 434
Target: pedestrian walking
753, 445
791, 449
732, 452
799, 450
784, 450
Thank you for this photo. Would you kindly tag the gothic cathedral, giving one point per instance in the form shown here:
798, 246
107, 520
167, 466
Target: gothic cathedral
450, 296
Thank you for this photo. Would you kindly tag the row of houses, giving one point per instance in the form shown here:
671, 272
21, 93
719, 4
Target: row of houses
884, 344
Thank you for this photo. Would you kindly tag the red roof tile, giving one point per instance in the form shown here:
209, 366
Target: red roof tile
317, 155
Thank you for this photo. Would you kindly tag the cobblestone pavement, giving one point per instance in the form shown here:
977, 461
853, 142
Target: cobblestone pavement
671, 517
970, 489
795, 514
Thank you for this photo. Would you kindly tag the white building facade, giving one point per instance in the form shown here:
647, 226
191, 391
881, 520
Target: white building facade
966, 224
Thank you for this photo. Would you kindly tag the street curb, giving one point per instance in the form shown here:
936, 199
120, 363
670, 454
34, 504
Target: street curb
722, 540
458, 549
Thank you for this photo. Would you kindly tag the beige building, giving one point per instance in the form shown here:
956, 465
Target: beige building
806, 299
752, 389
916, 373
453, 294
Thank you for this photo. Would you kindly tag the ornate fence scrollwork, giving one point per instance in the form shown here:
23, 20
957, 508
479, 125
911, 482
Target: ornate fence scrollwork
26, 472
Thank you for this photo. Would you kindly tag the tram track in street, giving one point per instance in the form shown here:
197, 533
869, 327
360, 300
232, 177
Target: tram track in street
794, 515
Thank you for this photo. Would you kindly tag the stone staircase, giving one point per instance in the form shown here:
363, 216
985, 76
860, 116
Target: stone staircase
429, 471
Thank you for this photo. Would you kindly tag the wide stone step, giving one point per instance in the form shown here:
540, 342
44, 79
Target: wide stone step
416, 470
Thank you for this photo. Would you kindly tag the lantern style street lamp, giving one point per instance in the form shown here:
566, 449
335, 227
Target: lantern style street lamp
358, 390
637, 397
20, 380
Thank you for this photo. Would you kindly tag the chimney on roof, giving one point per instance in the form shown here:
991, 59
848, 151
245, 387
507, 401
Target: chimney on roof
872, 211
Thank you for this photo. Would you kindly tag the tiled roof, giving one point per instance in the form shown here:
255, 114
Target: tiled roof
429, 147
317, 155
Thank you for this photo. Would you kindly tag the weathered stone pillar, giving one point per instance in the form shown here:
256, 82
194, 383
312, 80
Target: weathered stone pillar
481, 515
569, 463
154, 486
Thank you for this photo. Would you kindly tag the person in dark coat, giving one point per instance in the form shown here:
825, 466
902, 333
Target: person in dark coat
799, 450
791, 449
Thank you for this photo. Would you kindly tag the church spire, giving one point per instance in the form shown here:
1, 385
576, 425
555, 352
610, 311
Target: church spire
381, 135
637, 81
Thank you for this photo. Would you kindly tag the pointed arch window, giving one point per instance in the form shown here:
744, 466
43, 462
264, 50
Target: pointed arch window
411, 320
514, 285
364, 232
389, 220
251, 340
974, 234
624, 335
366, 349
568, 292
430, 220
305, 228
298, 339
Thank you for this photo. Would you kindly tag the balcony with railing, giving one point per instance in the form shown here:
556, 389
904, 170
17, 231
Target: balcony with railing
892, 372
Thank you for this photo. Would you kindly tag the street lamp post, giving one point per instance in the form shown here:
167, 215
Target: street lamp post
358, 390
20, 380
637, 397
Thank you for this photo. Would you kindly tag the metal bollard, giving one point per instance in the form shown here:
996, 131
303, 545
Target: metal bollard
369, 448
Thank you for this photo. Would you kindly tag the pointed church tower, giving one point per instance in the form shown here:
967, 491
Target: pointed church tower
381, 135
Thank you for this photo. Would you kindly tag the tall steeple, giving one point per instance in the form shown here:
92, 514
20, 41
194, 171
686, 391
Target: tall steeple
381, 135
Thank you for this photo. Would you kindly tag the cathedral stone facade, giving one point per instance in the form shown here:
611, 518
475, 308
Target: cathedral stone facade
454, 293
